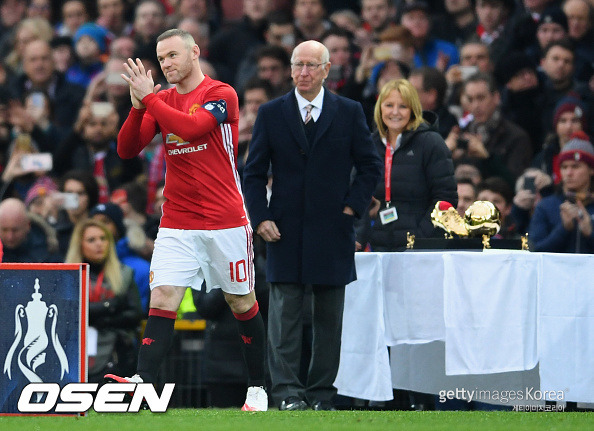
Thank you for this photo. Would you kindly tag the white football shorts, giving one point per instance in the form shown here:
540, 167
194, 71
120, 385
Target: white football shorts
224, 258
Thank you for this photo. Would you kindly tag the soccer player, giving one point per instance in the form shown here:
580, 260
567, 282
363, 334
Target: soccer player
204, 232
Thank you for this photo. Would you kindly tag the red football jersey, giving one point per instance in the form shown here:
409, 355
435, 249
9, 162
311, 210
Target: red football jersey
199, 129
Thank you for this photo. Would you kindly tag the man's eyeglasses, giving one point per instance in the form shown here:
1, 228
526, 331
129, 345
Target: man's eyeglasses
310, 67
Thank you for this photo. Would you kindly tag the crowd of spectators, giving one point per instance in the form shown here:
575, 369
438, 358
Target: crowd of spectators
511, 83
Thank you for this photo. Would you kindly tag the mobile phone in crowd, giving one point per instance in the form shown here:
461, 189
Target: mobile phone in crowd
101, 109
468, 71
38, 100
462, 143
529, 184
115, 79
67, 201
37, 162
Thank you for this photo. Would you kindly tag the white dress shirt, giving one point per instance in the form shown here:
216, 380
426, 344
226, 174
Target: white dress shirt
317, 103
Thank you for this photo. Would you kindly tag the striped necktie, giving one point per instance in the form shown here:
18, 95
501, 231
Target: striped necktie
308, 108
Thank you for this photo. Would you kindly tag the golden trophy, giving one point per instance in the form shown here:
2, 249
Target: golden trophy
482, 218
445, 216
480, 222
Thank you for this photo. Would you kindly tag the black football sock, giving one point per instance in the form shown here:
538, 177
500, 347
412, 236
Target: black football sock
251, 330
156, 342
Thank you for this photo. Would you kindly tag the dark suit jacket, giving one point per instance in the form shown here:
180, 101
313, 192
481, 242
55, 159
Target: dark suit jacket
311, 186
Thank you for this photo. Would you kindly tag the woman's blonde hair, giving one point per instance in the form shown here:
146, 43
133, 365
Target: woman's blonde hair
409, 96
111, 266
41, 29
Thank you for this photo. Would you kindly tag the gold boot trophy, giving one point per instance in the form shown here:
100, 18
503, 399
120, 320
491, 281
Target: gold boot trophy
480, 219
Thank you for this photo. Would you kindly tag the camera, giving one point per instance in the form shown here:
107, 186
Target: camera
101, 109
529, 184
462, 144
66, 200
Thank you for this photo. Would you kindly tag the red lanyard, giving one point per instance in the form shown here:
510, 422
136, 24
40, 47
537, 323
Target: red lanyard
96, 291
388, 174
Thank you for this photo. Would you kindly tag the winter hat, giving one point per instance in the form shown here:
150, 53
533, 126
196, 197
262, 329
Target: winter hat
42, 187
510, 65
114, 212
553, 15
578, 148
416, 5
61, 41
569, 104
98, 33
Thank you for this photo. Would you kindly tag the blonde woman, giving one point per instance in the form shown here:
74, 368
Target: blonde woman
114, 302
419, 167
27, 30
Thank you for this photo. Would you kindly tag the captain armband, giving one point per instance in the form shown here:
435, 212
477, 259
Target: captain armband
218, 109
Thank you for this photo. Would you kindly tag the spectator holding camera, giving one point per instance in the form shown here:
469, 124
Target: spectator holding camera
394, 43
496, 145
531, 187
562, 222
39, 74
474, 57
81, 194
34, 117
109, 86
23, 167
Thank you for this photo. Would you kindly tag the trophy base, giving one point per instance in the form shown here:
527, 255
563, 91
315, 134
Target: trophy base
464, 244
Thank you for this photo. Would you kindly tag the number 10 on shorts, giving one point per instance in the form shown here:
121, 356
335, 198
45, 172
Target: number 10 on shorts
238, 271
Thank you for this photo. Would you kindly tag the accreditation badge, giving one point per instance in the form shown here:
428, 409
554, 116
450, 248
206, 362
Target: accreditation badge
388, 215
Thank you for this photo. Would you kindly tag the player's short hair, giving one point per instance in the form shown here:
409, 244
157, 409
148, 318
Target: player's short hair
184, 35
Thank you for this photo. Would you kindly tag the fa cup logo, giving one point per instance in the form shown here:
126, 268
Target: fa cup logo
36, 340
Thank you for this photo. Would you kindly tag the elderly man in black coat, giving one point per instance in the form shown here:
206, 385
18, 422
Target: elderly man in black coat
312, 139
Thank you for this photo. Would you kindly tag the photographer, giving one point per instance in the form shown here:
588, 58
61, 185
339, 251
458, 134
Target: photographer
562, 222
532, 186
34, 117
487, 139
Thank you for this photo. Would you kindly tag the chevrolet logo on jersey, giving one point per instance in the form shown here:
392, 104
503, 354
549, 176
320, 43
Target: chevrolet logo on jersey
174, 139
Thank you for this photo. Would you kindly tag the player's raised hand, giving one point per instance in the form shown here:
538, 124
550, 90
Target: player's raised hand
140, 81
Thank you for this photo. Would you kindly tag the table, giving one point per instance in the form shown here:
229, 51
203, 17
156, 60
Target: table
494, 321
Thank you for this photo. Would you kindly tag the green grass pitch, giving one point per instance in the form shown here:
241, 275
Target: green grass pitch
274, 420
